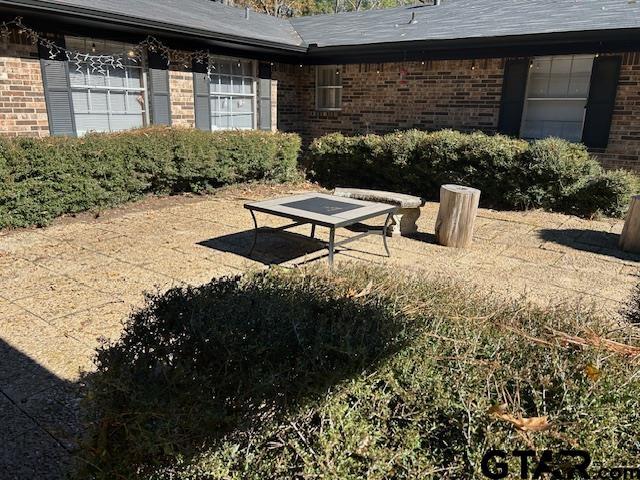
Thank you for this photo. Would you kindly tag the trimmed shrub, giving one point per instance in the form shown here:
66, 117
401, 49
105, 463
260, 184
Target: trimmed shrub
606, 193
41, 179
552, 170
357, 373
552, 173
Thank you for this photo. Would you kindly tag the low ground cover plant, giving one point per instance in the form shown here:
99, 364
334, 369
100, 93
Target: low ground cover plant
631, 310
552, 173
356, 374
41, 179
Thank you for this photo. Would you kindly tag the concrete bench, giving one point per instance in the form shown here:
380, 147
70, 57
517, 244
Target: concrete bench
404, 220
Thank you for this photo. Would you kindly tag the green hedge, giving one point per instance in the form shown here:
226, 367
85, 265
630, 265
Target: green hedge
354, 374
552, 174
41, 179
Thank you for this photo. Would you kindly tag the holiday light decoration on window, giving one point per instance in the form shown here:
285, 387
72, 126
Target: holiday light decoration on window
101, 62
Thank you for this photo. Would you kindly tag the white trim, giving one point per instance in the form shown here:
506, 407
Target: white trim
225, 94
145, 96
568, 99
256, 113
104, 87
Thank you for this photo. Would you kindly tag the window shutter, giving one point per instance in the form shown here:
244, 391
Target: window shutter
57, 91
201, 95
602, 98
159, 89
514, 88
264, 88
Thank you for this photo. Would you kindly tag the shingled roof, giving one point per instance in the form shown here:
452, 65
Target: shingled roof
451, 20
460, 19
201, 17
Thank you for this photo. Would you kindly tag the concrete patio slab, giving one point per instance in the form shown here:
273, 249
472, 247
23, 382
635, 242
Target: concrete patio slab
64, 287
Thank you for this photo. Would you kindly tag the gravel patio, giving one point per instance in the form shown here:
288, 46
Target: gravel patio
64, 286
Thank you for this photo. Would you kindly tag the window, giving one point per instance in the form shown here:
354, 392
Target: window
233, 98
557, 97
106, 99
328, 88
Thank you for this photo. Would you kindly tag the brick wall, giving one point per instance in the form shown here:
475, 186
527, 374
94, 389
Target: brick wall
623, 150
23, 110
461, 94
378, 98
182, 102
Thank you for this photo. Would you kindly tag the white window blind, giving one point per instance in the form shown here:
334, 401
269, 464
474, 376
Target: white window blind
557, 95
328, 88
106, 99
233, 92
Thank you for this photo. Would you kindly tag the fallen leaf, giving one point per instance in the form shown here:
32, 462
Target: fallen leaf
498, 409
593, 372
364, 292
532, 424
524, 424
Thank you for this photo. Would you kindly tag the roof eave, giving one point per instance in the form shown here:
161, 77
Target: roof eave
475, 47
39, 6
589, 41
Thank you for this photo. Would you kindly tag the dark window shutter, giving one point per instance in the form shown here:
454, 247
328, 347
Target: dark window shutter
57, 91
201, 95
159, 90
264, 89
514, 88
602, 99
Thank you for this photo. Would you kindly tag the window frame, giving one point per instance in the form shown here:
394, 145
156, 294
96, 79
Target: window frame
87, 88
253, 95
527, 99
318, 69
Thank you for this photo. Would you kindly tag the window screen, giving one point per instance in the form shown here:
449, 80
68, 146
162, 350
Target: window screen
328, 88
106, 99
232, 94
557, 96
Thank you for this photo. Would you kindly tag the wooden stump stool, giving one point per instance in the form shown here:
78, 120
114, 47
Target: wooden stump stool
457, 215
630, 237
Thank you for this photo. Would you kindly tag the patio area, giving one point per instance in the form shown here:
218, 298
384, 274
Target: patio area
65, 286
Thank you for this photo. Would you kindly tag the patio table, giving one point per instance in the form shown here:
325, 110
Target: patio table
319, 209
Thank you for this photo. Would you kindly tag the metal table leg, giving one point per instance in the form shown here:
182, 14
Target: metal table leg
255, 232
332, 237
313, 230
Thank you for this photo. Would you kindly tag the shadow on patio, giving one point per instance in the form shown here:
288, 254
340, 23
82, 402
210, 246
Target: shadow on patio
38, 419
594, 241
424, 237
279, 247
272, 247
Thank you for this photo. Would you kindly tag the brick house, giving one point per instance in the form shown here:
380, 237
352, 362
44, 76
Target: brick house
528, 68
